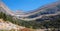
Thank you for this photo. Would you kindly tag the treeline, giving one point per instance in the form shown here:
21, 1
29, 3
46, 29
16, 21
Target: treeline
3, 16
7, 17
54, 23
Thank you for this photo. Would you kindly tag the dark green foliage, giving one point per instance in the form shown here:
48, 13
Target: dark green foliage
7, 17
3, 15
54, 23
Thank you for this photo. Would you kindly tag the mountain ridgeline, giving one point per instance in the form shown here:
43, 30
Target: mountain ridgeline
50, 9
47, 16
46, 10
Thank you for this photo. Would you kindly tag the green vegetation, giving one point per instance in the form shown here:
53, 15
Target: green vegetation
54, 23
7, 17
10, 30
3, 15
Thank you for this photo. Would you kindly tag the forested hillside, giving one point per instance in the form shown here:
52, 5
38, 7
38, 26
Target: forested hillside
51, 22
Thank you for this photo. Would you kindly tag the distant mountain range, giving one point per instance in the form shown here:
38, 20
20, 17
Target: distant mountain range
46, 10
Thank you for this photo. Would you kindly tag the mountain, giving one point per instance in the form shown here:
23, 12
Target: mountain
5, 9
46, 10
48, 16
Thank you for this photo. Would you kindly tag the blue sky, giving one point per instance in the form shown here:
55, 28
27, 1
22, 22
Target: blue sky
26, 5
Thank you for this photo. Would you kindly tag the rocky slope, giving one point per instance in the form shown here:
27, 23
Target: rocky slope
8, 25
